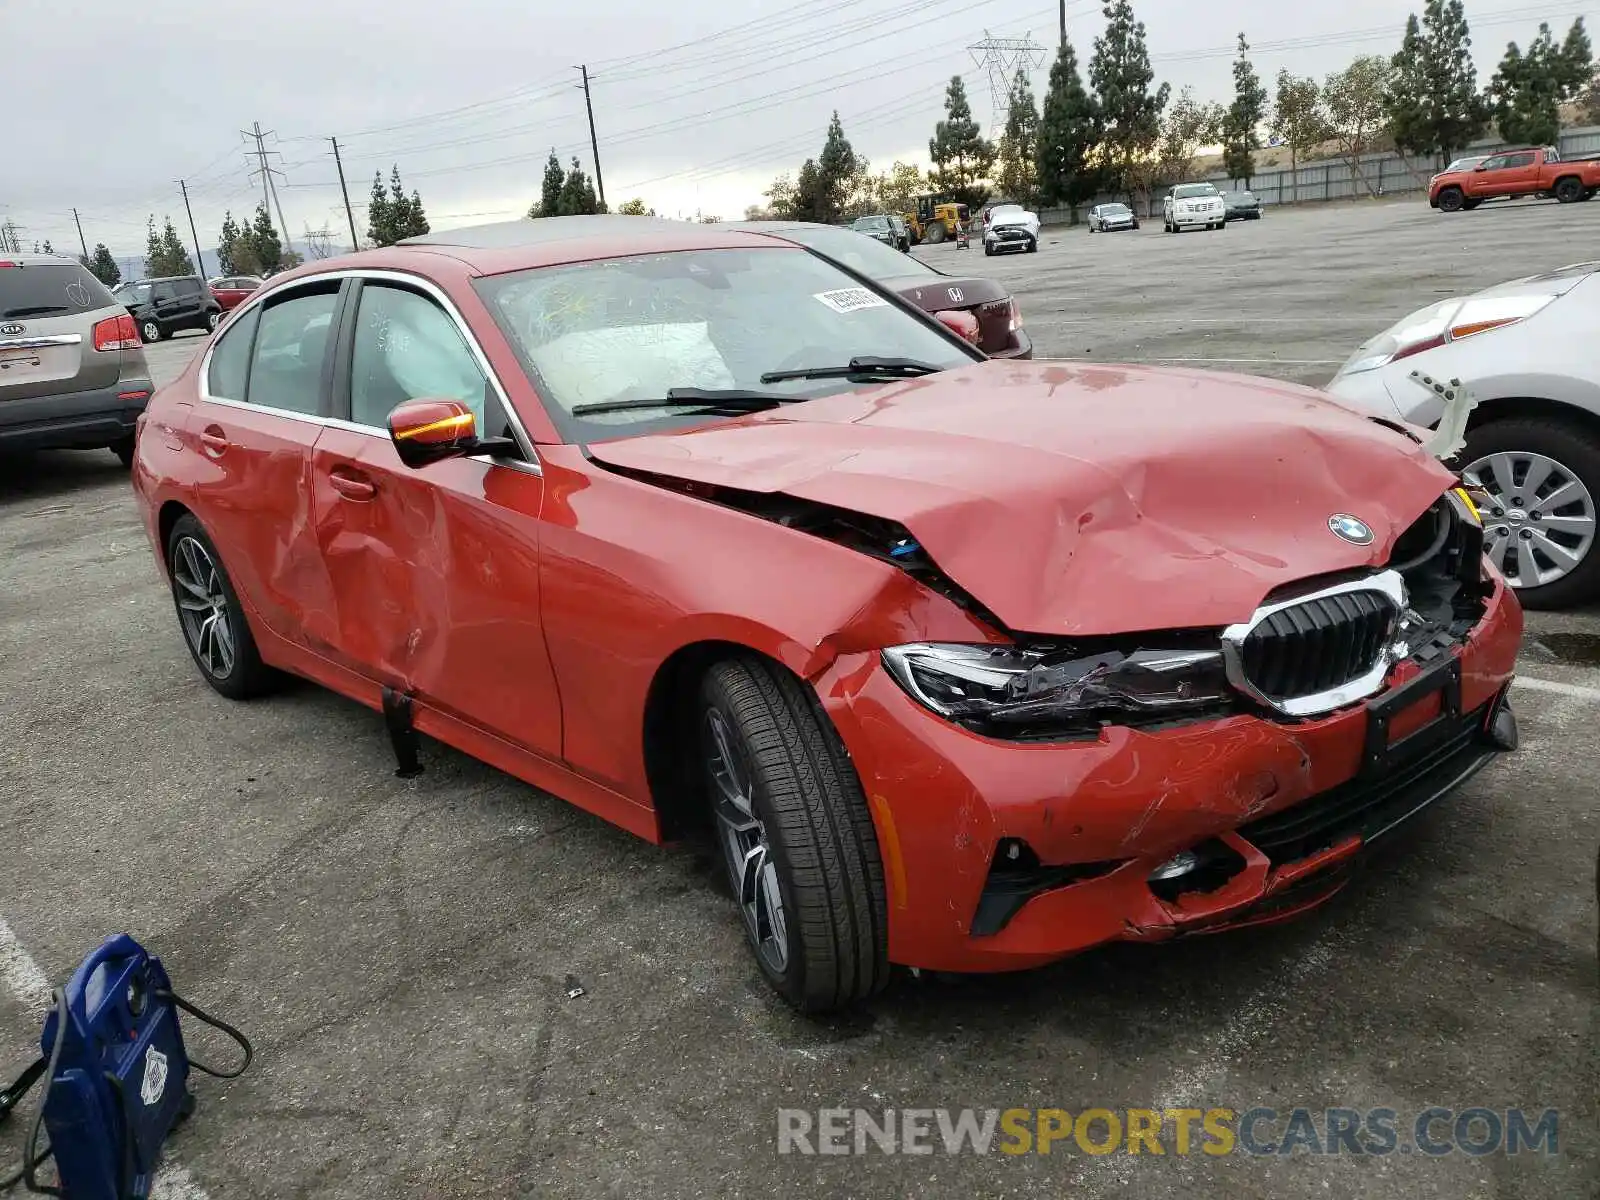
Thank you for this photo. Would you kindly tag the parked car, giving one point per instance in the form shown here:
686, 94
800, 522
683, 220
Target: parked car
230, 290
1521, 172
162, 307
702, 531
997, 319
1524, 349
1010, 227
876, 227
1108, 218
1193, 204
1241, 206
72, 370
902, 232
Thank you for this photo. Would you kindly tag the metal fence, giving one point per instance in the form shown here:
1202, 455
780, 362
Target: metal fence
1332, 179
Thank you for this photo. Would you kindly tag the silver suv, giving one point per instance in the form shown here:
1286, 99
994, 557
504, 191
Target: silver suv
72, 368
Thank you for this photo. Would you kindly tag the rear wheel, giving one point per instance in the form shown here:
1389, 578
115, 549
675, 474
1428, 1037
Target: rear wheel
935, 233
796, 836
213, 621
150, 330
213, 319
1569, 190
1543, 481
1452, 199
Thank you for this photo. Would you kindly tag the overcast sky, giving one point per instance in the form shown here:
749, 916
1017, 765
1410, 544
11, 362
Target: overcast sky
698, 104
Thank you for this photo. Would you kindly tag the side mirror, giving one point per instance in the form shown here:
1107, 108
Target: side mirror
429, 431
1481, 167
959, 322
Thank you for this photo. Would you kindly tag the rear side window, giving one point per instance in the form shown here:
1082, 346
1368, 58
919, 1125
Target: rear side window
1520, 160
188, 287
61, 289
292, 338
230, 359
160, 292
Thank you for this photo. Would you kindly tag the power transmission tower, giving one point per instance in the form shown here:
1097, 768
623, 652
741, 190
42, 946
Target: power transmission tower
269, 189
1001, 58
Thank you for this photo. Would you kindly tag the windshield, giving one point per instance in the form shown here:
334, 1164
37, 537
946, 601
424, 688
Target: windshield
633, 328
872, 223
1193, 191
867, 255
51, 289
1114, 210
1464, 164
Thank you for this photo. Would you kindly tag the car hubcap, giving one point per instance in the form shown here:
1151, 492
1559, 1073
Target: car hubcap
1540, 523
151, 332
744, 842
203, 607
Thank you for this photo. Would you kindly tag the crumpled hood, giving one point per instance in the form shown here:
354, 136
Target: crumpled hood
1074, 499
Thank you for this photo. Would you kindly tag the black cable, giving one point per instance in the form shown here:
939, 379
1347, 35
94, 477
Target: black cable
31, 1160
200, 1014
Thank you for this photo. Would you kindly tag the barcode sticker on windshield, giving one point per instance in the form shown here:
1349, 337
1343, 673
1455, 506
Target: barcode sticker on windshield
850, 299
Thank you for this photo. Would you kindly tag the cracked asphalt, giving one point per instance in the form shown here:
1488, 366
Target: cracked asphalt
405, 953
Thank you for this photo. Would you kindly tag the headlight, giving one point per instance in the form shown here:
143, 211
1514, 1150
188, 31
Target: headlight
1443, 323
1013, 690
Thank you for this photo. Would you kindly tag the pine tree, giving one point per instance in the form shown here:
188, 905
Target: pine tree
962, 157
1069, 132
807, 195
418, 217
577, 193
152, 249
1298, 118
264, 242
1121, 75
225, 244
402, 219
177, 260
1433, 103
103, 267
1241, 129
549, 202
1017, 175
1528, 89
836, 172
380, 214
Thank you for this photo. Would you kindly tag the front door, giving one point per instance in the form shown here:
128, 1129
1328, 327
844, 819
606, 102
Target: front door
435, 571
260, 411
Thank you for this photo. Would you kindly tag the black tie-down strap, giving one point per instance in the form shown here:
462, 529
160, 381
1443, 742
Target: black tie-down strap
397, 717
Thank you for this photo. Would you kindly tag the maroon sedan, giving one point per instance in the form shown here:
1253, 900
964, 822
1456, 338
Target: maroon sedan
233, 290
998, 321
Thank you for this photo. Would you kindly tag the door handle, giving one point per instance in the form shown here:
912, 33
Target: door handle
352, 486
213, 441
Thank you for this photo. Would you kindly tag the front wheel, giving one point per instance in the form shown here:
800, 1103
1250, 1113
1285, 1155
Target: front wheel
211, 616
797, 837
1452, 199
1542, 478
935, 233
213, 319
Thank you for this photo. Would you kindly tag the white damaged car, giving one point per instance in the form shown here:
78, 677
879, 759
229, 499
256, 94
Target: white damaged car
1010, 227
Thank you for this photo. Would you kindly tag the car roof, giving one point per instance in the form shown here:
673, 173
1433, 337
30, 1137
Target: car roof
37, 260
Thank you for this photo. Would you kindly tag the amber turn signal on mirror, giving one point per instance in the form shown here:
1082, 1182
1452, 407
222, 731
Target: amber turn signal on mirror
425, 431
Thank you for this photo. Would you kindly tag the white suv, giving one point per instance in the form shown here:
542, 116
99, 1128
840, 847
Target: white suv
1194, 204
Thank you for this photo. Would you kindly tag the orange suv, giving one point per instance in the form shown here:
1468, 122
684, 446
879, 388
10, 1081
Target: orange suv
1524, 172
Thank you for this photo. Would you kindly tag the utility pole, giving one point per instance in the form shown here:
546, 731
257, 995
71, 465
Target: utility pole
81, 240
199, 259
1063, 22
355, 242
269, 191
594, 142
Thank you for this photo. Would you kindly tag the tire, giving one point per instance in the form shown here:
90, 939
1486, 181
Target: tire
1452, 199
1033, 246
1569, 190
213, 319
123, 449
935, 233
1469, 205
1576, 452
191, 555
807, 813
150, 330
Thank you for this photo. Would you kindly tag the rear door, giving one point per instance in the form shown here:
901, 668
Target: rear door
1520, 173
263, 401
191, 305
435, 572
48, 312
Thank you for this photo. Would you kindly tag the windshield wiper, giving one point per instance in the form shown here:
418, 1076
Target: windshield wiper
33, 310
736, 400
865, 365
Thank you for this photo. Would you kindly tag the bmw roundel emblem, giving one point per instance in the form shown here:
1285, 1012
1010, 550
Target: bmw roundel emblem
1352, 529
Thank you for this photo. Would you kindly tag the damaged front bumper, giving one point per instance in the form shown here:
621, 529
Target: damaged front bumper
1001, 855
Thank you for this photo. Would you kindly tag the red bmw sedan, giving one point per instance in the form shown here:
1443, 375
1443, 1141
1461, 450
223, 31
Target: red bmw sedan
964, 664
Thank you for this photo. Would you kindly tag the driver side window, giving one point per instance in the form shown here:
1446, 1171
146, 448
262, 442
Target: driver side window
408, 348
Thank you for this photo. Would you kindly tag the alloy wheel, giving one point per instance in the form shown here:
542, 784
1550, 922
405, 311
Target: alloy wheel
203, 607
1540, 523
745, 846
